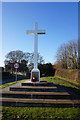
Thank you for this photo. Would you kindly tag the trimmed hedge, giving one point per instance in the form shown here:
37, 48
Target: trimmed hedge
72, 74
7, 75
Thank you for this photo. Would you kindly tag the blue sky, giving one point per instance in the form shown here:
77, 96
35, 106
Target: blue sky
59, 19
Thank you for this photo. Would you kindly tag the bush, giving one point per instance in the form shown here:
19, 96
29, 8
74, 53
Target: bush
7, 75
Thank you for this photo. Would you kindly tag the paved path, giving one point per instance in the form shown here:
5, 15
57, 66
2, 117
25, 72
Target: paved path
14, 85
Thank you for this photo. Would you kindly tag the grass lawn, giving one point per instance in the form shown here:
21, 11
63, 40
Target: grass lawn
43, 113
73, 81
40, 113
56, 80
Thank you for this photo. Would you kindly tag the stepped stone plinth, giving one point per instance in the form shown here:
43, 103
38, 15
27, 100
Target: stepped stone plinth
41, 83
34, 89
39, 102
37, 94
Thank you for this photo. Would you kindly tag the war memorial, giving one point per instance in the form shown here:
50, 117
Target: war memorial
35, 92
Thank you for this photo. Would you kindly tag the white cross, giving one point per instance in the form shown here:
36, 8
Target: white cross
35, 32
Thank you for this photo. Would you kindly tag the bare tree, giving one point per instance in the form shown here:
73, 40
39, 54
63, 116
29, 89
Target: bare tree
20, 57
40, 60
67, 55
62, 56
73, 54
79, 51
14, 56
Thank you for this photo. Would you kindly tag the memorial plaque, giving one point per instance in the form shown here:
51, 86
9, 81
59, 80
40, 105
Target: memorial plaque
36, 74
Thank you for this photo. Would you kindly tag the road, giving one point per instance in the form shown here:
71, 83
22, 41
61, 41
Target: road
11, 80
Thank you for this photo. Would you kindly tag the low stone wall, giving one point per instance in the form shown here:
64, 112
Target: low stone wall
72, 74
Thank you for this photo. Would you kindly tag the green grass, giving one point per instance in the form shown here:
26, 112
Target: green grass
40, 113
56, 80
73, 81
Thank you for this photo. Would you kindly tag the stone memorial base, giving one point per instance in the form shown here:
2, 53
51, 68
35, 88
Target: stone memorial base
36, 73
37, 94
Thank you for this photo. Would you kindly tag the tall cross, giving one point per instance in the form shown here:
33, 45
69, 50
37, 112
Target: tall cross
35, 32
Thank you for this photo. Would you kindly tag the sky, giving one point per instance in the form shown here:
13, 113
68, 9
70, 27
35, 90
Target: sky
59, 19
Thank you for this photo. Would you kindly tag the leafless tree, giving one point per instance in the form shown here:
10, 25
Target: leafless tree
19, 56
67, 55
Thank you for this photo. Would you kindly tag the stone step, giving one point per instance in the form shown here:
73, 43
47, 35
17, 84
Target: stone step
39, 102
34, 89
36, 95
37, 84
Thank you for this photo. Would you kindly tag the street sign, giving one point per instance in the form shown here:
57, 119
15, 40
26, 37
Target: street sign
16, 65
